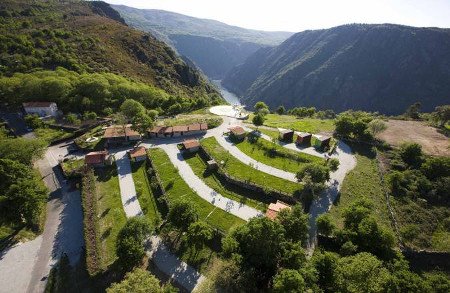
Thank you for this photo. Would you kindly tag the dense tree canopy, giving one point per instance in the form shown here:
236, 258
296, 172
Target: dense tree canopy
139, 281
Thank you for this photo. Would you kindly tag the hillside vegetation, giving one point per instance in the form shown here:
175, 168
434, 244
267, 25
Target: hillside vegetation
213, 46
90, 37
381, 68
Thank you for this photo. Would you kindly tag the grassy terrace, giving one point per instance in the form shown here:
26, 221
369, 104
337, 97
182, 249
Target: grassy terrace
50, 134
312, 125
94, 145
274, 155
198, 165
176, 188
110, 212
362, 182
146, 198
236, 168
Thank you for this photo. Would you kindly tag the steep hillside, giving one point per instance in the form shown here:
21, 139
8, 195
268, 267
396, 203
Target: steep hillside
91, 37
215, 47
370, 67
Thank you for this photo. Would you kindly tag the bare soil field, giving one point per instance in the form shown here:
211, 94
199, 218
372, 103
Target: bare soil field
432, 142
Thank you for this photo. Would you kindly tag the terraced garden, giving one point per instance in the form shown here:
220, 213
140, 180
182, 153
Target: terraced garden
312, 125
111, 216
236, 168
147, 199
199, 167
274, 155
176, 188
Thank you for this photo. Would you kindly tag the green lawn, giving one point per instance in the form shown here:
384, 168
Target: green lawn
70, 166
236, 168
10, 234
110, 212
274, 155
146, 198
176, 188
50, 134
274, 134
362, 182
196, 117
312, 125
198, 165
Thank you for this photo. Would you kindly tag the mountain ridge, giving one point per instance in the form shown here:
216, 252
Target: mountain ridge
222, 46
382, 67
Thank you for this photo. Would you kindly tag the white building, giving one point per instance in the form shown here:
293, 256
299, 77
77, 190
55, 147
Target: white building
41, 109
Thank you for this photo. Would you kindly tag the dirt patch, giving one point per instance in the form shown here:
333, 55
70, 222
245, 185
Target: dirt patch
432, 142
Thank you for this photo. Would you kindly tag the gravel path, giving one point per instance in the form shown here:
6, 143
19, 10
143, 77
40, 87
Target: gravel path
127, 189
204, 191
167, 262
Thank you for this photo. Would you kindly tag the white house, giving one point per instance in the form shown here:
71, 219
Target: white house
41, 109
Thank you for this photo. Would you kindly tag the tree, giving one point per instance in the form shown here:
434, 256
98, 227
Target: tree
198, 234
138, 280
33, 121
131, 108
293, 256
141, 123
22, 149
333, 164
258, 120
289, 281
153, 114
319, 173
362, 272
376, 126
281, 110
326, 263
411, 154
260, 106
435, 168
355, 213
72, 119
260, 244
325, 226
89, 116
413, 111
295, 223
182, 214
130, 241
442, 115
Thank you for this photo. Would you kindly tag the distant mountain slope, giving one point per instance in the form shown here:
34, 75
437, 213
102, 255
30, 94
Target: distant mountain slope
214, 46
370, 67
91, 37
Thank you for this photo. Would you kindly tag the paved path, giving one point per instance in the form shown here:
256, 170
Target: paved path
127, 189
204, 191
25, 266
167, 262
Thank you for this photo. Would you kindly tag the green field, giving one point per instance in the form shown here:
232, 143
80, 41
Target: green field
236, 168
274, 155
198, 165
95, 145
110, 212
146, 198
176, 188
50, 134
312, 125
362, 182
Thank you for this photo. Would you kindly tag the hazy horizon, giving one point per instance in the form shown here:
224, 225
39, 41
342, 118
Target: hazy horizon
295, 16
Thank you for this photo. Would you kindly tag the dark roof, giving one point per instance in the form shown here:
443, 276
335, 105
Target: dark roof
286, 131
118, 131
303, 134
191, 143
37, 104
138, 152
323, 138
237, 130
95, 157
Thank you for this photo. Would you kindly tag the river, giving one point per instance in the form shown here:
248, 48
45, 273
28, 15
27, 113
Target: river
229, 97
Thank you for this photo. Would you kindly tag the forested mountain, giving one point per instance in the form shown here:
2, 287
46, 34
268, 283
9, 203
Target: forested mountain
86, 38
215, 47
370, 67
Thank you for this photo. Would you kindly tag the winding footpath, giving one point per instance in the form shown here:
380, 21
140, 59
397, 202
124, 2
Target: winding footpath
167, 262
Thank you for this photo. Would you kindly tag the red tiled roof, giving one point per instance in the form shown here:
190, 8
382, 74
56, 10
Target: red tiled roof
191, 143
237, 130
274, 208
138, 152
37, 104
157, 129
118, 131
168, 129
180, 128
95, 157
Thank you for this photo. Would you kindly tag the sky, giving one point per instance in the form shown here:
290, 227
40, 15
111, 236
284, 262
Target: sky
299, 15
